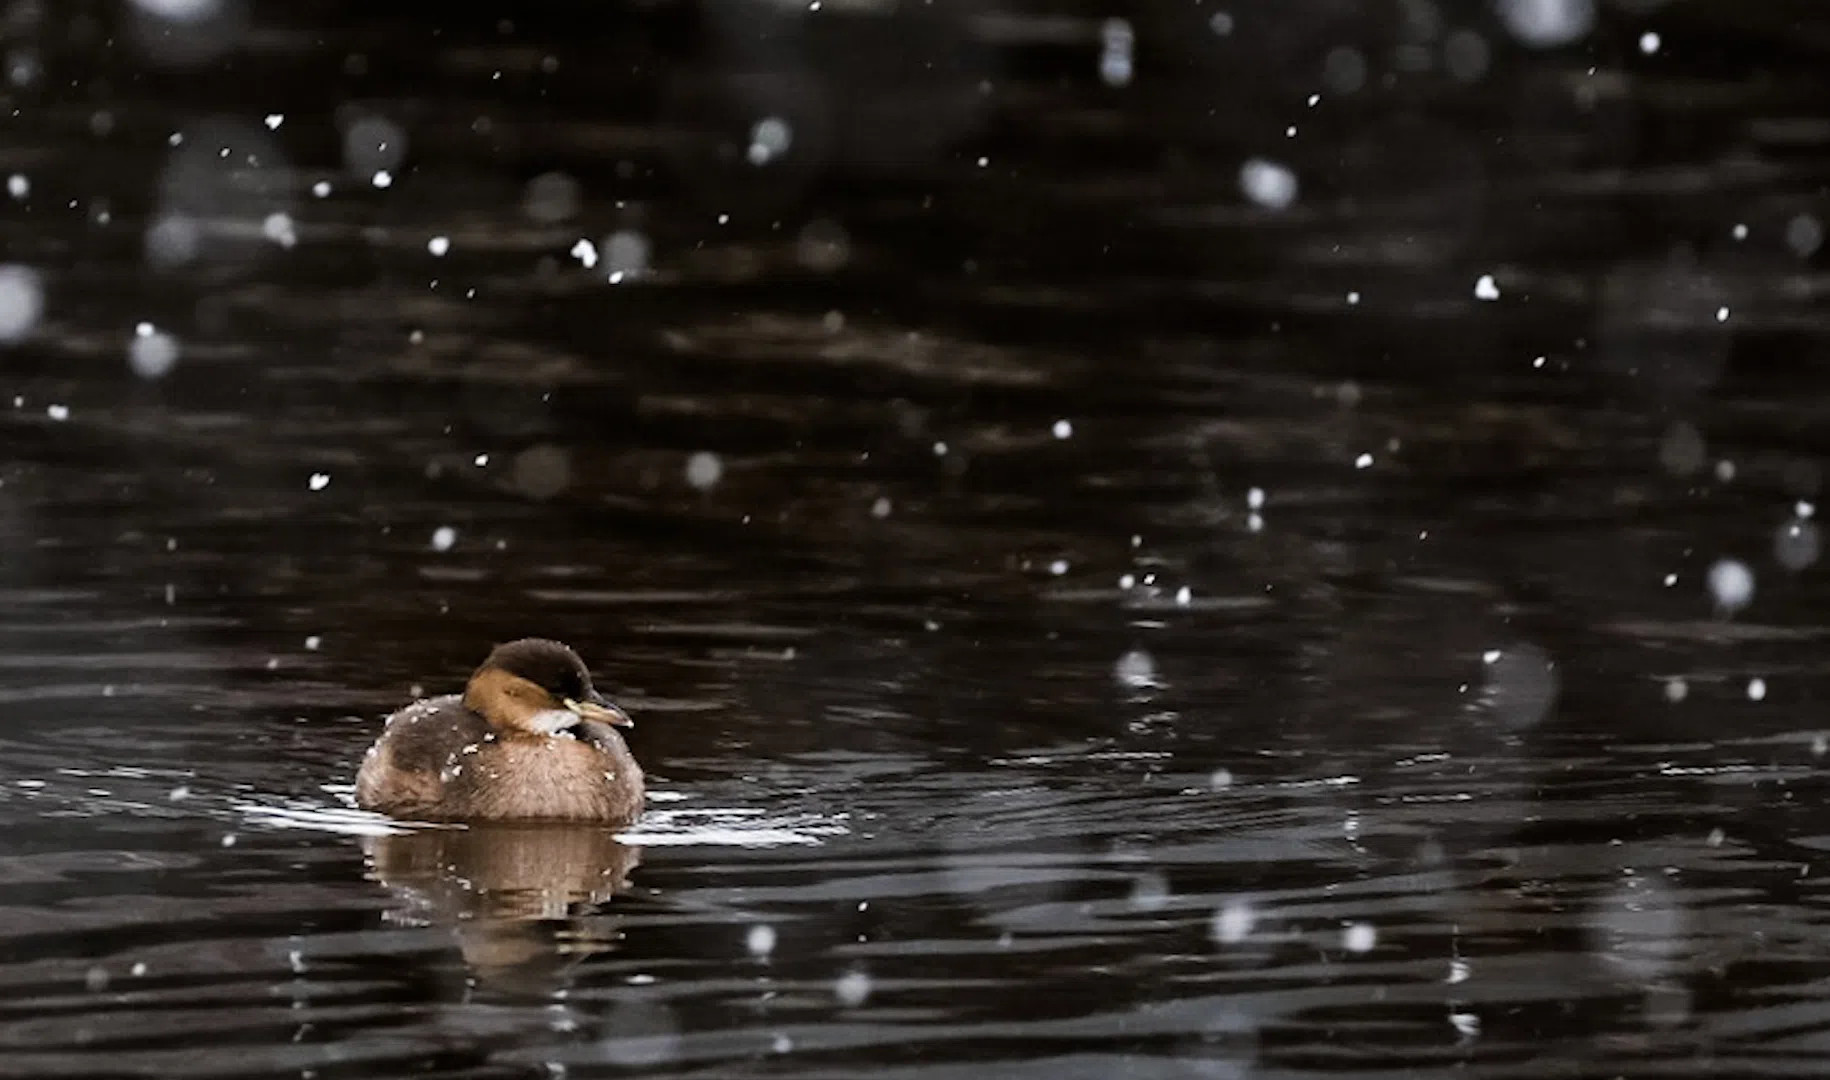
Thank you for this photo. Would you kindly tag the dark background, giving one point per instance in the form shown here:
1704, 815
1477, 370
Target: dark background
1161, 540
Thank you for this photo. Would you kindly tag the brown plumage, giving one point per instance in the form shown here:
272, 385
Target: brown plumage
529, 739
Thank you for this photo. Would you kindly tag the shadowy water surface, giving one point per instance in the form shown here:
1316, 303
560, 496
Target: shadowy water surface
1170, 542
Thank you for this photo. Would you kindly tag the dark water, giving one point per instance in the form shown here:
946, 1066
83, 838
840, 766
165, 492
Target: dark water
1091, 610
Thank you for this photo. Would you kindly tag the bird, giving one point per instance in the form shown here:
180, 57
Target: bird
529, 740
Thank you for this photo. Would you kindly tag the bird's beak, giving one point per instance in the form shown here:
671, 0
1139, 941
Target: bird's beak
601, 709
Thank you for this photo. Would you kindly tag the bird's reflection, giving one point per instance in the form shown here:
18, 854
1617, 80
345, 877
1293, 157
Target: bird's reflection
519, 898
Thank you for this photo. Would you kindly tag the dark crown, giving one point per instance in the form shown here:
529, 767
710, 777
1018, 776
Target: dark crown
547, 664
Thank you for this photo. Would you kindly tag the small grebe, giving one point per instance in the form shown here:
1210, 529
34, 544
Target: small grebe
529, 739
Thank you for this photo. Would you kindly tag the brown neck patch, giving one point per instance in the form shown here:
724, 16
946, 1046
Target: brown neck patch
507, 701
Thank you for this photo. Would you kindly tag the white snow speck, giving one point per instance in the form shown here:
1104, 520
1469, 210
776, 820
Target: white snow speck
586, 253
21, 301
274, 120
760, 940
321, 189
1486, 288
1254, 499
1233, 923
1804, 235
1731, 583
1547, 23
18, 185
1136, 670
1267, 183
382, 178
278, 228
152, 353
179, 10
1116, 62
853, 989
703, 470
1364, 461
1064, 429
1649, 42
1359, 937
443, 538
57, 412
1756, 689
438, 246
770, 138
313, 642
318, 482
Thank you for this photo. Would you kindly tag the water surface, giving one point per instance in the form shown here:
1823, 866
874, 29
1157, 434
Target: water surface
1083, 619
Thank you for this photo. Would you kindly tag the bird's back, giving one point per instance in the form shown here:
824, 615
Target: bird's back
405, 771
